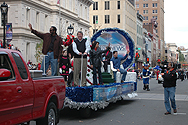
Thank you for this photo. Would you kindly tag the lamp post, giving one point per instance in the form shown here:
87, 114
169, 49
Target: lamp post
4, 10
70, 29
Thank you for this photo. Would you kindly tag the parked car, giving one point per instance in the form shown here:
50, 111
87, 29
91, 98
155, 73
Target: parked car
23, 98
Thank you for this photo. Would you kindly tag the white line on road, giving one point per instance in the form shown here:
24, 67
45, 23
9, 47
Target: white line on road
154, 96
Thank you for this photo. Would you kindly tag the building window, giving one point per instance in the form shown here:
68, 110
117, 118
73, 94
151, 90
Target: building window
118, 5
137, 11
145, 17
95, 30
154, 4
154, 11
118, 16
145, 11
27, 16
155, 17
46, 23
107, 18
107, 5
95, 19
137, 0
37, 19
156, 30
137, 5
145, 5
95, 6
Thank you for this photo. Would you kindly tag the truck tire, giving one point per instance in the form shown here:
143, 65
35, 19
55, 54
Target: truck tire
51, 116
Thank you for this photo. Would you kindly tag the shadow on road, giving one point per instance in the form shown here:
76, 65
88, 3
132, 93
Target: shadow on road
70, 114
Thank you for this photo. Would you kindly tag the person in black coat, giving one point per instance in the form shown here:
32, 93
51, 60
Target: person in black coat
64, 65
169, 85
106, 61
96, 59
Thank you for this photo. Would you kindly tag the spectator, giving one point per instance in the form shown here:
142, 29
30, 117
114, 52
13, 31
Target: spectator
169, 85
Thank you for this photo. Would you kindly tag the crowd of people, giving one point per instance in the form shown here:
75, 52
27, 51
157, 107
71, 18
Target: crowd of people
9, 46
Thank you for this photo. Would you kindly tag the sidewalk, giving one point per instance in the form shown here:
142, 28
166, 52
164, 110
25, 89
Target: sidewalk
153, 96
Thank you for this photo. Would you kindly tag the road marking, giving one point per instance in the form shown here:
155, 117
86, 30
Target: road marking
179, 114
154, 96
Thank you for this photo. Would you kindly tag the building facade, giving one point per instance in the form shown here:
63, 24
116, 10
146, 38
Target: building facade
140, 45
148, 45
113, 13
152, 9
172, 53
43, 14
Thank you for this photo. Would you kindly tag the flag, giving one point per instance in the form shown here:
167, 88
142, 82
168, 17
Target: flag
58, 1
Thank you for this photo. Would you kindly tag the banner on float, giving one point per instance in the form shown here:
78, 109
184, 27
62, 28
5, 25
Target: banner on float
9, 32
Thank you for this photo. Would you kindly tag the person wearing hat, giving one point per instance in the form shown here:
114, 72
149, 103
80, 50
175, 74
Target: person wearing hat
96, 59
51, 47
146, 75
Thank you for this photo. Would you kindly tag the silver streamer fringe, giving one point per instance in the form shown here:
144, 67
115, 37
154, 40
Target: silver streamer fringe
97, 104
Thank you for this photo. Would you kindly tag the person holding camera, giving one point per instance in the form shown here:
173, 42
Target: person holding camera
169, 85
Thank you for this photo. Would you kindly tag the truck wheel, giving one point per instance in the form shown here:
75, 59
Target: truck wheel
50, 117
85, 112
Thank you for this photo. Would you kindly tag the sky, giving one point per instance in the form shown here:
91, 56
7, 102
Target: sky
176, 22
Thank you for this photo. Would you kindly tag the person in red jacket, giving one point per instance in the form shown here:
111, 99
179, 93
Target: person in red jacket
51, 47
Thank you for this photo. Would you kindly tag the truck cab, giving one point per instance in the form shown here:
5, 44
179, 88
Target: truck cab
23, 98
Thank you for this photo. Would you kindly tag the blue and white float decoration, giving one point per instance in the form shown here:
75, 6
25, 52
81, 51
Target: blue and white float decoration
99, 96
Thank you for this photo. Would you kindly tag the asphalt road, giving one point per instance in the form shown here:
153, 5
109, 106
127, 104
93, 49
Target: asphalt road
146, 109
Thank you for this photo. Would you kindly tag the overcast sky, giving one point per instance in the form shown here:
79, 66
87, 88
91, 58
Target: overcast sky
176, 22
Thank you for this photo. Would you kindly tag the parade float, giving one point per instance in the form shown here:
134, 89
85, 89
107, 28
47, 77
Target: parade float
94, 97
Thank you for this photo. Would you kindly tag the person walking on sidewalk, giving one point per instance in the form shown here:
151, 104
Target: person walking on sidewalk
51, 47
169, 85
146, 74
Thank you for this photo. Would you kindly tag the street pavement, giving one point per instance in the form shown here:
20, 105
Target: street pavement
146, 109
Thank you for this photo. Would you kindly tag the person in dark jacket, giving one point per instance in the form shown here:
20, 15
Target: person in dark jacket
51, 47
64, 65
81, 48
106, 61
169, 85
96, 59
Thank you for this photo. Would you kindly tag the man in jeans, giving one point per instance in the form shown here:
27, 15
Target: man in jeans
169, 85
115, 63
51, 48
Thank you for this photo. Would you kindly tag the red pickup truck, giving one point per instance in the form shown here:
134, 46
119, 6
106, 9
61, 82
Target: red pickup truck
23, 98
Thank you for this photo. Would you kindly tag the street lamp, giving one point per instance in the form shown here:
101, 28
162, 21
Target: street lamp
70, 29
4, 10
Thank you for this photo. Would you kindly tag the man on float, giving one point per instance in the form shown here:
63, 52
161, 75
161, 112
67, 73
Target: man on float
146, 75
115, 63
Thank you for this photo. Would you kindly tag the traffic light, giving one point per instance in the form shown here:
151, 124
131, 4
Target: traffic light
138, 48
137, 55
179, 66
147, 60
